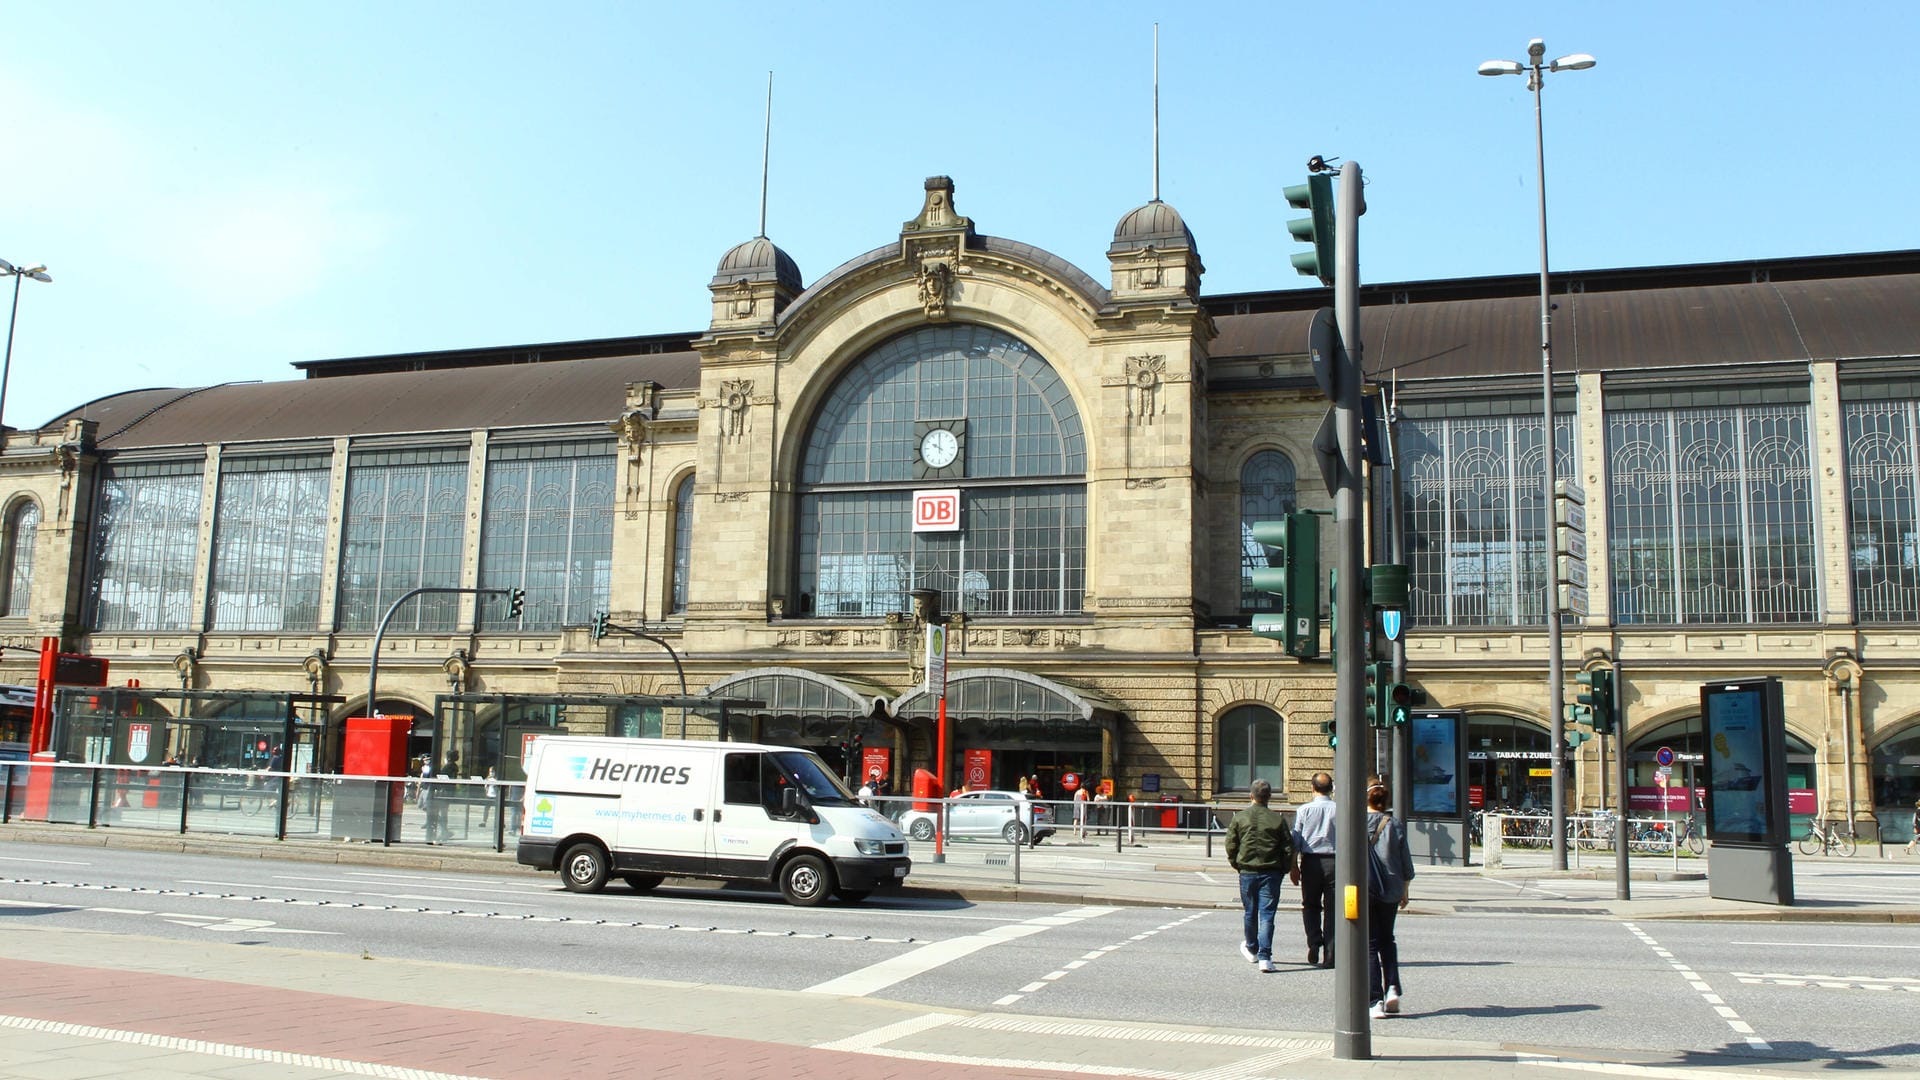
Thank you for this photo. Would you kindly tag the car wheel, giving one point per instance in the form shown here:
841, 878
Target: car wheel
806, 881
643, 882
921, 829
1015, 833
584, 869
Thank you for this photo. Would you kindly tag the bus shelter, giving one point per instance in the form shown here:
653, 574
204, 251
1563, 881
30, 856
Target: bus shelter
276, 730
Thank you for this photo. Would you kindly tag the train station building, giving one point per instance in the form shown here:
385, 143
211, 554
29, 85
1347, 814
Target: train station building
1071, 456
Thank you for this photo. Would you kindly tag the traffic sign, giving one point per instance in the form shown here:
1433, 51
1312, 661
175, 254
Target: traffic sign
1573, 599
1663, 756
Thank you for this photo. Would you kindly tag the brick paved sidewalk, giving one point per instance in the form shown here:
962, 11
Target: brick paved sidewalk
310, 1033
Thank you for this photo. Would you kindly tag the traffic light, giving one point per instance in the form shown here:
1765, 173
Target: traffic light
1597, 700
1400, 698
1331, 730
599, 625
1316, 197
1293, 574
516, 603
1378, 691
859, 751
1575, 737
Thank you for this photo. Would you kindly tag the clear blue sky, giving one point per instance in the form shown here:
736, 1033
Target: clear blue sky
221, 189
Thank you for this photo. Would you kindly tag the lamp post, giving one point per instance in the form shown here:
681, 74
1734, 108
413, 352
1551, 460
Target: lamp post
37, 272
1536, 69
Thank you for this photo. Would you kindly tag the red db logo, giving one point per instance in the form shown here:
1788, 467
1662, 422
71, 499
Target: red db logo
936, 511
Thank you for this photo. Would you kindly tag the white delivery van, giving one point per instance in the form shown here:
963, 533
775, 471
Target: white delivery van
643, 809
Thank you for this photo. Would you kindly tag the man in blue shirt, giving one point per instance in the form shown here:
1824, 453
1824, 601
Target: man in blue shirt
1313, 841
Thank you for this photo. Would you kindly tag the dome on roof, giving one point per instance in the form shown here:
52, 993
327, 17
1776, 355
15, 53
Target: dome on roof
759, 259
1155, 225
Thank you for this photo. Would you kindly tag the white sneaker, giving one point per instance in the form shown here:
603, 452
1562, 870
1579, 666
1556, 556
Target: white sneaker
1247, 951
1377, 1012
1392, 1002
1267, 968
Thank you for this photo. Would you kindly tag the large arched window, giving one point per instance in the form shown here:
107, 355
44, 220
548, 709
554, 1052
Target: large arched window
682, 543
1012, 445
1266, 494
1252, 741
23, 527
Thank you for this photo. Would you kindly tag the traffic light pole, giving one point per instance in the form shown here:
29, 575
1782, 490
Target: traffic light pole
514, 597
1622, 880
601, 626
1401, 736
1351, 1037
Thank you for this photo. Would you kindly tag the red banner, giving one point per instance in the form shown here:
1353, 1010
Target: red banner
977, 771
876, 762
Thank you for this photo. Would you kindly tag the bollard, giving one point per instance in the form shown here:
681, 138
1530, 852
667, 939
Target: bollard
1491, 832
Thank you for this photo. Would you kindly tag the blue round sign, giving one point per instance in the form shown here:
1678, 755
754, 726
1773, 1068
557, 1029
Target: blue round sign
1663, 756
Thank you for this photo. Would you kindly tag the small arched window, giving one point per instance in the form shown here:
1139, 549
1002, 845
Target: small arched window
682, 543
23, 526
1266, 494
1252, 741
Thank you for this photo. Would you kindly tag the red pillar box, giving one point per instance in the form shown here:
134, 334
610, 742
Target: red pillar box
1170, 816
374, 746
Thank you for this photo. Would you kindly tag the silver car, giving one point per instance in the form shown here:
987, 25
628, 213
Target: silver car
1006, 815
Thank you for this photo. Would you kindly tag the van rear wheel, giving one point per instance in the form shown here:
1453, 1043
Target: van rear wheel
584, 869
643, 882
806, 881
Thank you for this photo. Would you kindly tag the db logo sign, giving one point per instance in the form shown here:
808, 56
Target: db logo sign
936, 511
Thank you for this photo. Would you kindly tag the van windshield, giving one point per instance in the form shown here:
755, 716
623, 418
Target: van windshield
810, 773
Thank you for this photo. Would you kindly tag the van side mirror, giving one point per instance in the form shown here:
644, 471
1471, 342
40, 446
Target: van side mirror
789, 802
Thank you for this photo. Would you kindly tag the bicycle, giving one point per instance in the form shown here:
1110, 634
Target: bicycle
1690, 834
1833, 838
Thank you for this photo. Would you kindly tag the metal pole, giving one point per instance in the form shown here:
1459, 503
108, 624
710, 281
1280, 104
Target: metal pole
1351, 1038
1401, 783
1557, 721
6, 366
1622, 880
373, 662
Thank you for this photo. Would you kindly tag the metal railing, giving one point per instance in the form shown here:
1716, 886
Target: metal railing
476, 813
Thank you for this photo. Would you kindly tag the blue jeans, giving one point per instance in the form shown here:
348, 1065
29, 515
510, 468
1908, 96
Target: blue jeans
1259, 896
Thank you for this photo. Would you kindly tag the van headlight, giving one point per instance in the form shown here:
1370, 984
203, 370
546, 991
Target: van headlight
870, 847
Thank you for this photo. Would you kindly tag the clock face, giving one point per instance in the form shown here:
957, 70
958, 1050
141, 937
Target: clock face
939, 447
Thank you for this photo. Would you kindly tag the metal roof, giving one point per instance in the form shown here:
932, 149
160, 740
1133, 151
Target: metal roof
518, 395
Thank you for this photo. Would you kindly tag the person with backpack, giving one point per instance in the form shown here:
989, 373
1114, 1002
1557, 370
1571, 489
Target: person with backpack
1260, 847
1389, 871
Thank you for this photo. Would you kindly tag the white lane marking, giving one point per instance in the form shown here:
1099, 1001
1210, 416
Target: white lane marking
32, 906
175, 1044
1276, 1051
120, 911
1831, 982
876, 977
1042, 983
1700, 986
1822, 945
235, 926
44, 862
1617, 1068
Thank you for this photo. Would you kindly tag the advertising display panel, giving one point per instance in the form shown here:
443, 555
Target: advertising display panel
1746, 761
1437, 763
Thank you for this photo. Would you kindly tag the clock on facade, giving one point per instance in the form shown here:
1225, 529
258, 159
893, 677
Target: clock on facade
942, 444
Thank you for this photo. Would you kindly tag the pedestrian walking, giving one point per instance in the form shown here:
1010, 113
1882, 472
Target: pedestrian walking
1260, 847
1392, 862
1313, 843
425, 798
1080, 800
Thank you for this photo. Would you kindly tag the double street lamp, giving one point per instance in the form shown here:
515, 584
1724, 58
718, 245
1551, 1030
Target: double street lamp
37, 273
1536, 69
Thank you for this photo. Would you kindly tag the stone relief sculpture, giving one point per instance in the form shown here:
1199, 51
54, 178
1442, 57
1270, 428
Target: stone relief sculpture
936, 288
1144, 376
735, 396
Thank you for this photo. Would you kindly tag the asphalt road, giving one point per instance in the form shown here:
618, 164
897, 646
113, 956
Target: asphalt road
1476, 968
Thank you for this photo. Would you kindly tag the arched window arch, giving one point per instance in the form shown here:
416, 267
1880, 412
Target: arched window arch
1003, 429
1252, 744
1266, 494
22, 529
682, 543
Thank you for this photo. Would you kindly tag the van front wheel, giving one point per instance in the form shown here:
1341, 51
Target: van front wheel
806, 881
584, 869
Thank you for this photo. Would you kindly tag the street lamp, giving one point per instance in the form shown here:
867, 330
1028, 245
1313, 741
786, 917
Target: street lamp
1535, 69
37, 272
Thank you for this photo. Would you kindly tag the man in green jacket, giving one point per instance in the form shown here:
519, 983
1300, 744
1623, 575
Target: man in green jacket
1260, 847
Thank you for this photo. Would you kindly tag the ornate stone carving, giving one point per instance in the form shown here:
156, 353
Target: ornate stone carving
1148, 482
936, 288
729, 496
1144, 377
1025, 637
742, 301
735, 396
